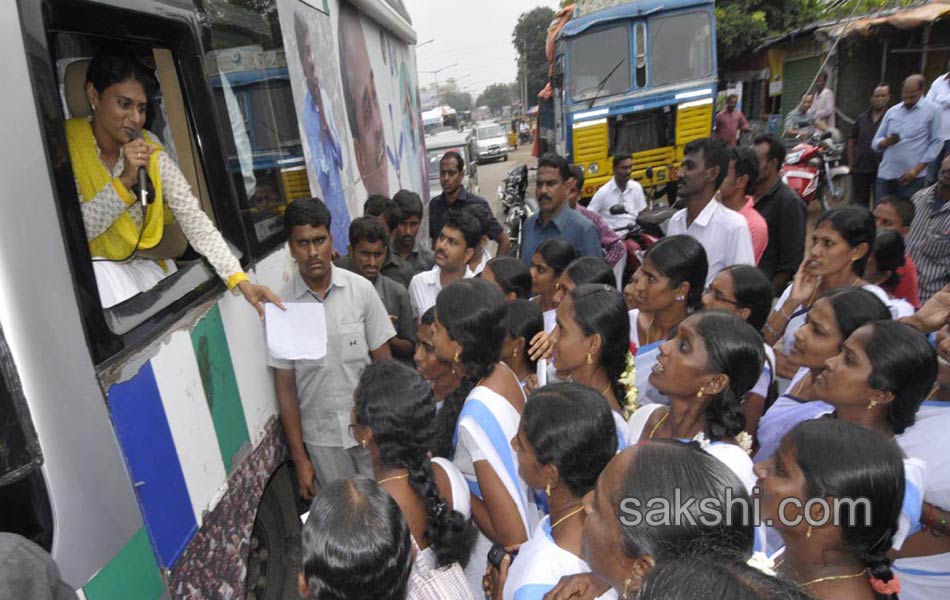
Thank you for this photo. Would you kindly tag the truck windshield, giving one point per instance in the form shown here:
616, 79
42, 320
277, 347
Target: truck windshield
680, 48
490, 131
592, 58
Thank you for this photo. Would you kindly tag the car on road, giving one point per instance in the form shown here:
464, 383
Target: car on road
462, 142
492, 141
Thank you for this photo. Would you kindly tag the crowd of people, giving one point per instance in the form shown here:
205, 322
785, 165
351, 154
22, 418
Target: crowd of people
750, 415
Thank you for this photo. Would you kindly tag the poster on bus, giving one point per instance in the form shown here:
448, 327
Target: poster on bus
355, 91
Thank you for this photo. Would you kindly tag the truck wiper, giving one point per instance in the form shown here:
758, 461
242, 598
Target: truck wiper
603, 82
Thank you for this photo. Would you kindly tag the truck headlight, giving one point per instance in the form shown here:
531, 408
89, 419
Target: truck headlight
593, 168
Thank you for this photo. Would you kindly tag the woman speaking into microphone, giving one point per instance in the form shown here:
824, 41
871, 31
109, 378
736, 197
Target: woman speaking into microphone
107, 151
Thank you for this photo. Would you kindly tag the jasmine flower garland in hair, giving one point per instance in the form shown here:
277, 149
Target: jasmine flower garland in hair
629, 381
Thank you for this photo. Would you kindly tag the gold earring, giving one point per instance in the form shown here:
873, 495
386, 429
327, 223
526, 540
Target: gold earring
456, 358
872, 404
590, 359
699, 394
363, 443
679, 297
547, 490
626, 589
808, 533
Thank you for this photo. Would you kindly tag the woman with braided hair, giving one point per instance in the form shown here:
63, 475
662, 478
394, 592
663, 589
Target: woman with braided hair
836, 549
705, 369
393, 416
477, 422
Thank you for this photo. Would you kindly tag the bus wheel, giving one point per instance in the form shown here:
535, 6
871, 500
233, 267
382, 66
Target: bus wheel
274, 559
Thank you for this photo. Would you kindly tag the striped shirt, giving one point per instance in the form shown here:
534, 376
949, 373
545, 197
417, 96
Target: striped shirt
928, 242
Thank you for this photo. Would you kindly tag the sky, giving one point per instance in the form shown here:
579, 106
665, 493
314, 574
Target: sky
476, 34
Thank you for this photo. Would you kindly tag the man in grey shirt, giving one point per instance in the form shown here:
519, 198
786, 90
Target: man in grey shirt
368, 251
315, 397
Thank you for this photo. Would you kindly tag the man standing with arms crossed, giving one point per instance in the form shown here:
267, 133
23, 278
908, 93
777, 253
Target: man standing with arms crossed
863, 159
315, 397
730, 122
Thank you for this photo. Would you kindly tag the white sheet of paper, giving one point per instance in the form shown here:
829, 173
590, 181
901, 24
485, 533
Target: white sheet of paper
550, 320
298, 333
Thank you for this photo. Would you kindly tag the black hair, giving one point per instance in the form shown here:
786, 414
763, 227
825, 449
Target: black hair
464, 222
681, 258
747, 163
512, 275
523, 319
356, 543
378, 205
903, 363
616, 159
556, 161
366, 229
590, 269
347, 13
397, 405
856, 225
704, 576
577, 174
904, 208
752, 290
854, 307
108, 69
428, 317
847, 461
776, 148
557, 254
473, 313
667, 468
889, 254
306, 211
715, 154
409, 203
601, 309
454, 155
482, 214
571, 427
734, 348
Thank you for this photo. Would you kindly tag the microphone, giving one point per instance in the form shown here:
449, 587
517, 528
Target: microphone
143, 176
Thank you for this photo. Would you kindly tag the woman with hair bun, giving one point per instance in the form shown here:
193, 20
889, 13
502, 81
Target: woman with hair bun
705, 370
393, 416
478, 420
563, 444
511, 275
842, 555
667, 287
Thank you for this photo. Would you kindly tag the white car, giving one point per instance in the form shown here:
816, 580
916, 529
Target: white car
492, 142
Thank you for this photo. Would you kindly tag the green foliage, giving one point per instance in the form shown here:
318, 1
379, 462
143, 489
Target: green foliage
458, 100
528, 38
741, 25
496, 96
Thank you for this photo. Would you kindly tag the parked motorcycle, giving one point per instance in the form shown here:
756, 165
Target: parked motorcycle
515, 204
650, 227
813, 170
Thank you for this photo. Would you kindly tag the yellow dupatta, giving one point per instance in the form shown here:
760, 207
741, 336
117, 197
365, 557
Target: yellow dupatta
119, 240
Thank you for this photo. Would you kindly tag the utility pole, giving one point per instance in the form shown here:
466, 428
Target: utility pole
436, 74
524, 78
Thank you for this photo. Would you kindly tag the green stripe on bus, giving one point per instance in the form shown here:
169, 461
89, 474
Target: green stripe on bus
132, 573
221, 390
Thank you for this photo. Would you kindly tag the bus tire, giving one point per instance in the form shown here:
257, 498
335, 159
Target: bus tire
274, 556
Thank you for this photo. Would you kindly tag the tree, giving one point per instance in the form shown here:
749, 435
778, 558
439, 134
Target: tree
495, 96
457, 100
528, 38
741, 25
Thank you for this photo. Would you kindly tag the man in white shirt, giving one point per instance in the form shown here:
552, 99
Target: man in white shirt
619, 192
939, 95
723, 232
454, 248
824, 107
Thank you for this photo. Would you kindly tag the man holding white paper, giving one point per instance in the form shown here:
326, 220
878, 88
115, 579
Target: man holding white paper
315, 397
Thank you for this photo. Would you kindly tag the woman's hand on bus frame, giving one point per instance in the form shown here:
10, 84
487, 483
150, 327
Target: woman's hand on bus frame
257, 295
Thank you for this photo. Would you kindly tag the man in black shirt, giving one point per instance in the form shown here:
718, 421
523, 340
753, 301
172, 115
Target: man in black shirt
783, 211
862, 158
454, 195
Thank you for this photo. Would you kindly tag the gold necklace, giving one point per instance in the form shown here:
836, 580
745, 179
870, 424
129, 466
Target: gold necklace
393, 478
568, 515
832, 578
606, 389
657, 426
